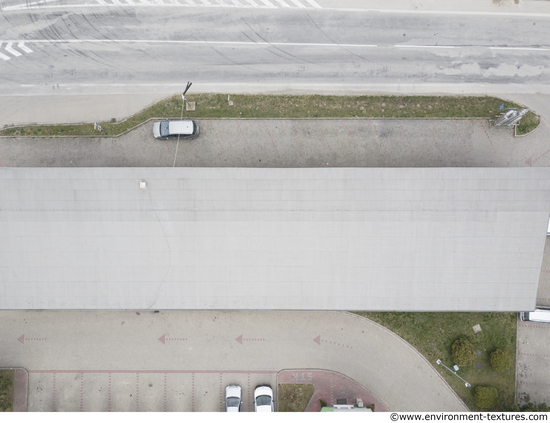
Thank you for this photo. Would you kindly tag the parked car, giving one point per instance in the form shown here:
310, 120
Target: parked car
263, 399
233, 398
172, 129
540, 315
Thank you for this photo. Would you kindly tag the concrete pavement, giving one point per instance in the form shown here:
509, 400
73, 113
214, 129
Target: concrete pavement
182, 360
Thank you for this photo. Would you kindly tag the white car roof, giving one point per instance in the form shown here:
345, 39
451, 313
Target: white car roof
540, 315
184, 127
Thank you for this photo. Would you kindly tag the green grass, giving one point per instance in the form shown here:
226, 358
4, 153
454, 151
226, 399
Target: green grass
433, 333
294, 397
7, 378
290, 106
528, 123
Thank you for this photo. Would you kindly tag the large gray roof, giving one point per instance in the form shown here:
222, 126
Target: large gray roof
233, 238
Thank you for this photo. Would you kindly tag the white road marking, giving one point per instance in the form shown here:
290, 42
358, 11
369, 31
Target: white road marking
520, 48
10, 49
297, 3
21, 44
3, 56
251, 3
282, 3
409, 46
23, 47
314, 4
268, 4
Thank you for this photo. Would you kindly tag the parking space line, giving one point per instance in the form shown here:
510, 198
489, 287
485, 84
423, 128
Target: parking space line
53, 394
192, 391
109, 395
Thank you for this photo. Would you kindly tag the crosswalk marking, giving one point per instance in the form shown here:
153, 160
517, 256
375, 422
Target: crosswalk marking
314, 4
268, 4
272, 4
3, 56
297, 3
282, 3
23, 47
10, 49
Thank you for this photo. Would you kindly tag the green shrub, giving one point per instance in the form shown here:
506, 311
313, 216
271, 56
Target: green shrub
463, 352
486, 396
500, 360
542, 407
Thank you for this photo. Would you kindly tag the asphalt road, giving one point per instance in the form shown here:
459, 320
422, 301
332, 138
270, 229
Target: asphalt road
97, 46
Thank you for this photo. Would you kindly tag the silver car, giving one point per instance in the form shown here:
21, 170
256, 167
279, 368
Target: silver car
174, 129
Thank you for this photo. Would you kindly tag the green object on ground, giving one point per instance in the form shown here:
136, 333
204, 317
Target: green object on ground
295, 397
292, 106
433, 334
486, 396
463, 352
500, 360
7, 378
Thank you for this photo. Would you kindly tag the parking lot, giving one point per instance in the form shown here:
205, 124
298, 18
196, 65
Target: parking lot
292, 143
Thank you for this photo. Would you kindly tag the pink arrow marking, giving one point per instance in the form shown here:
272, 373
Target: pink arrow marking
22, 339
164, 339
240, 339
340, 344
529, 161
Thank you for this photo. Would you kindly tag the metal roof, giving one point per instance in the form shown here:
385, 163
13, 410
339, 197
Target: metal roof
234, 238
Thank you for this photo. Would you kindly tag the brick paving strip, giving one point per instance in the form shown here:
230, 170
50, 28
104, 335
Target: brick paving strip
20, 390
330, 387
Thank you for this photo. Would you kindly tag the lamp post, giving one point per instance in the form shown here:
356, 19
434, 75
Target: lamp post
453, 372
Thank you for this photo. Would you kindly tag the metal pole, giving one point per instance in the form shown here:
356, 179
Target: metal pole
466, 383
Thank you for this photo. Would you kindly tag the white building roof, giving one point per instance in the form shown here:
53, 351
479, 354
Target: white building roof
232, 238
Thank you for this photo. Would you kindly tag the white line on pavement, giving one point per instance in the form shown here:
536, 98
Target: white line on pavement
23, 47
253, 44
520, 48
297, 3
282, 3
410, 46
10, 49
314, 4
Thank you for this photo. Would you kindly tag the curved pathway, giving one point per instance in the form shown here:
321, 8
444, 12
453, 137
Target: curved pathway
182, 360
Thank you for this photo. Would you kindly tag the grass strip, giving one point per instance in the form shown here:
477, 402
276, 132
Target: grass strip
294, 106
7, 380
294, 397
432, 334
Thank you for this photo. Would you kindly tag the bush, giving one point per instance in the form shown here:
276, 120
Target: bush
486, 396
463, 352
530, 407
500, 360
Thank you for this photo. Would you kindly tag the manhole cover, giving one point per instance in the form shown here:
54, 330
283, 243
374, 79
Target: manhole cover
478, 352
479, 366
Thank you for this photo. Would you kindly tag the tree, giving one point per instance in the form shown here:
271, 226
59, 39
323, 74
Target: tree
463, 352
486, 396
500, 360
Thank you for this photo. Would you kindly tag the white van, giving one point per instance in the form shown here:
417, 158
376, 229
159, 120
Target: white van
173, 129
540, 315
